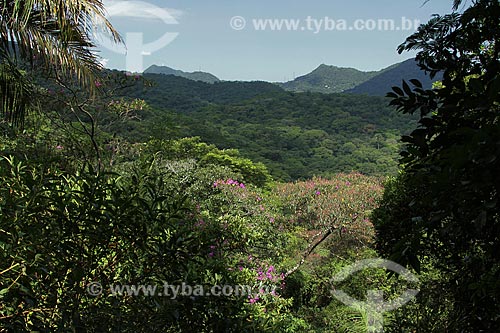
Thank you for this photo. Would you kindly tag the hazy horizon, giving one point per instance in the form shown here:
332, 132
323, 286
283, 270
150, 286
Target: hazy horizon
263, 41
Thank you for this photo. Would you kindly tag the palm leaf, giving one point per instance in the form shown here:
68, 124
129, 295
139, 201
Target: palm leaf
16, 91
55, 36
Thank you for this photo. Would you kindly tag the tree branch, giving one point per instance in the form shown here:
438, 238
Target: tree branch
310, 249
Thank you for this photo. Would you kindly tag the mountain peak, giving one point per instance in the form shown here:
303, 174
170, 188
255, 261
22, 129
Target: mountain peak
323, 66
333, 79
195, 76
328, 79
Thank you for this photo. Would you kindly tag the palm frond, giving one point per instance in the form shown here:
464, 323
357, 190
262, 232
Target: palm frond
55, 36
16, 91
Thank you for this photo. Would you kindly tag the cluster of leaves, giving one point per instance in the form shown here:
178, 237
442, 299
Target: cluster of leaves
441, 213
205, 154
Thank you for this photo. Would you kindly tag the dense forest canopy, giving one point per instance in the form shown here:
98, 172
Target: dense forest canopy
110, 180
296, 135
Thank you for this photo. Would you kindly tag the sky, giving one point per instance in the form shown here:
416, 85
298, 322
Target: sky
242, 40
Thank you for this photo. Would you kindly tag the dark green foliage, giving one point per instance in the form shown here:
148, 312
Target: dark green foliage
445, 205
154, 223
168, 211
168, 91
16, 91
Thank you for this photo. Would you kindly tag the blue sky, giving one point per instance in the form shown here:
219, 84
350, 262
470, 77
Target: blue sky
197, 34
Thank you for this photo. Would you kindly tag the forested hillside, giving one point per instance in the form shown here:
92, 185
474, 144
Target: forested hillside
297, 135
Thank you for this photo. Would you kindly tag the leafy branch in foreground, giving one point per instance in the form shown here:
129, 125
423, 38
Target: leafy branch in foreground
441, 213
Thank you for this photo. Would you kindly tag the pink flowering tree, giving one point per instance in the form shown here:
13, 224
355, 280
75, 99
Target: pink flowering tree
330, 212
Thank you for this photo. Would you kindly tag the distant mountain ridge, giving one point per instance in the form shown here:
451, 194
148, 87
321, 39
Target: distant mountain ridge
194, 76
332, 79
